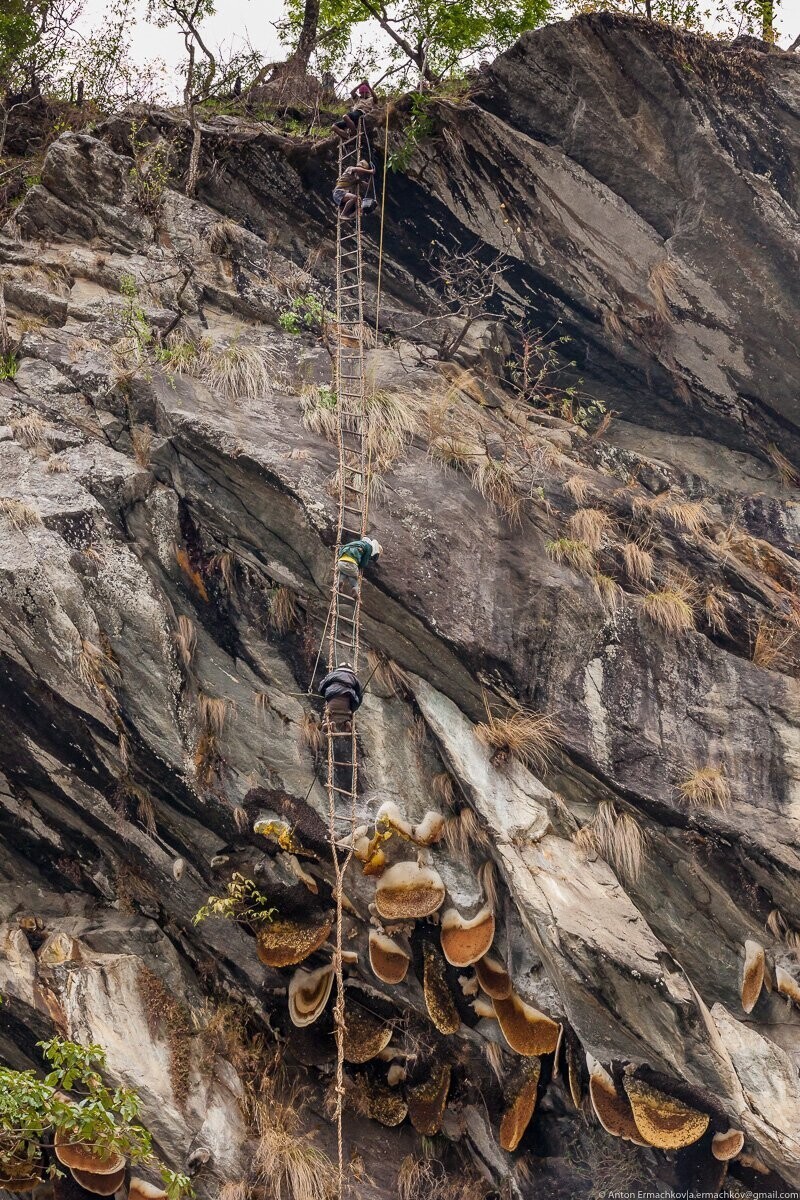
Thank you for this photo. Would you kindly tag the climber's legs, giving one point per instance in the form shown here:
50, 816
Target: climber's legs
346, 127
348, 205
339, 710
348, 577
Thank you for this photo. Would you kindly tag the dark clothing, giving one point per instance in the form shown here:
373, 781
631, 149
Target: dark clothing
359, 552
355, 116
341, 683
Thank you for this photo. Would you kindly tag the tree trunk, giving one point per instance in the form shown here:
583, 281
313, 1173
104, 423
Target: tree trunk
307, 41
767, 19
5, 336
194, 155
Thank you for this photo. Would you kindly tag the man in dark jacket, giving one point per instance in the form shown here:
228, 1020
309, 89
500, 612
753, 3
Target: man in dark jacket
341, 691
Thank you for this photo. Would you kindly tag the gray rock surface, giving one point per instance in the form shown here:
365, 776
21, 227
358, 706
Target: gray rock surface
143, 501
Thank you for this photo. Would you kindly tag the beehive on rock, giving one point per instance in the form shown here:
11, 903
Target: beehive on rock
526, 1030
438, 997
517, 1115
662, 1120
427, 1101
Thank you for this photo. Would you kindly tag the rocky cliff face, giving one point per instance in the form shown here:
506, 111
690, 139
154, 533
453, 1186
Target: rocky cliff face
167, 521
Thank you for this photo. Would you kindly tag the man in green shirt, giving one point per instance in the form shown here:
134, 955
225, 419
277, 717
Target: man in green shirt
353, 558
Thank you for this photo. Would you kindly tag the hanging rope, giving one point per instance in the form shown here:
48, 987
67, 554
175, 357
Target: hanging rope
342, 775
383, 211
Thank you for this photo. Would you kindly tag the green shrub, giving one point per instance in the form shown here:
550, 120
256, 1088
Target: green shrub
307, 312
33, 1110
8, 365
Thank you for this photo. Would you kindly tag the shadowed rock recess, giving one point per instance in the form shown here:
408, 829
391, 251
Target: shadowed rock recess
167, 511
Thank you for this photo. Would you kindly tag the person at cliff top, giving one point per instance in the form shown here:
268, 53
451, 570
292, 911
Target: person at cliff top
341, 691
365, 100
349, 187
353, 558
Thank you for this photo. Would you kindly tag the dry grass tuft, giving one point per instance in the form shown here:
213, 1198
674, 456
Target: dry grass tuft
672, 607
530, 737
238, 370
590, 526
576, 553
19, 514
464, 834
615, 837
225, 563
691, 516
772, 645
638, 562
286, 1160
212, 713
706, 787
234, 1189
444, 789
283, 611
714, 610
142, 442
424, 1177
391, 423
788, 473
454, 452
493, 1053
186, 641
30, 430
386, 673
609, 591
496, 482
487, 878
97, 671
578, 487
662, 280
223, 236
319, 411
310, 732
781, 930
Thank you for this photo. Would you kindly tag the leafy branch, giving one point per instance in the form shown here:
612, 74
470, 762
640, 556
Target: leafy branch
242, 902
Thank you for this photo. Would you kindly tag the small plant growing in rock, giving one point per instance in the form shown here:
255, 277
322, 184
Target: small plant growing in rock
9, 364
420, 126
150, 172
241, 902
318, 408
138, 334
307, 313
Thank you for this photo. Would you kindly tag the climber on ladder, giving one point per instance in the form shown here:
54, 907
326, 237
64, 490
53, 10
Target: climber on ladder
342, 693
364, 101
350, 186
353, 558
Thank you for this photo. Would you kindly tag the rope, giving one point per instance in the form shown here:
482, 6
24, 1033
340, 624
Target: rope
340, 866
345, 609
383, 211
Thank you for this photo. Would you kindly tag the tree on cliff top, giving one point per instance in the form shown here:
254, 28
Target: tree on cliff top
433, 36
